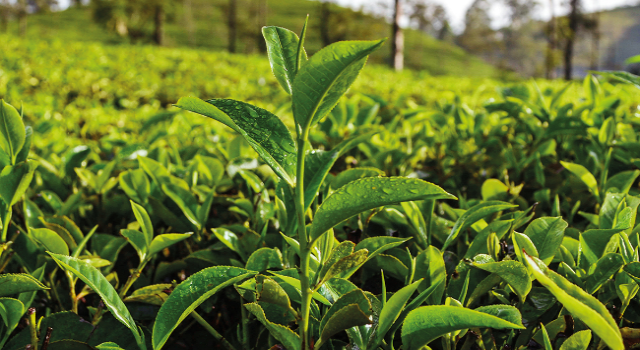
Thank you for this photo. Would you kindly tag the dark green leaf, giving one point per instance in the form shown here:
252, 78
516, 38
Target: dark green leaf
321, 82
99, 284
427, 323
282, 48
12, 132
472, 215
190, 294
264, 131
369, 193
11, 284
546, 234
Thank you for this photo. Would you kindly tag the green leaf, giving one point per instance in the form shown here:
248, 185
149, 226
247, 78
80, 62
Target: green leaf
154, 294
144, 220
99, 284
15, 180
605, 268
379, 244
494, 189
11, 311
264, 131
318, 164
593, 243
545, 338
269, 291
12, 132
166, 240
546, 234
264, 259
425, 324
579, 303
138, 240
282, 49
584, 175
185, 201
350, 175
474, 214
392, 310
623, 76
109, 346
321, 82
622, 181
512, 272
27, 297
288, 338
369, 193
578, 341
50, 240
352, 261
633, 270
190, 294
19, 283
430, 266
351, 310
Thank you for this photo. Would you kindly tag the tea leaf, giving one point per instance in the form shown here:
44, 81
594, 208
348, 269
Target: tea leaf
188, 295
472, 215
326, 77
282, 48
99, 284
286, 336
12, 131
579, 303
19, 283
264, 131
427, 323
368, 193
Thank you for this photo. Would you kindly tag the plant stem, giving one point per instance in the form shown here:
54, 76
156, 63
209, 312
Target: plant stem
132, 278
305, 249
6, 222
212, 331
72, 292
32, 328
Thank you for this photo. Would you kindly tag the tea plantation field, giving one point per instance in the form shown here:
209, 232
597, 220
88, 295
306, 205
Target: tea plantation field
448, 212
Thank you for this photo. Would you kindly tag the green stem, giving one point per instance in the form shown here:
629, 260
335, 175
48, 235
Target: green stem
32, 328
6, 222
132, 278
212, 331
245, 327
72, 292
305, 249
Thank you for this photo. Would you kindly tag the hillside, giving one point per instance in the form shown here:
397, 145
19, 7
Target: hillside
210, 32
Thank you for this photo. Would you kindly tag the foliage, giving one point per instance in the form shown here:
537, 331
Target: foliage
330, 236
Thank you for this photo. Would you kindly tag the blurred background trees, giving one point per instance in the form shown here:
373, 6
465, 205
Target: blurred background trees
526, 38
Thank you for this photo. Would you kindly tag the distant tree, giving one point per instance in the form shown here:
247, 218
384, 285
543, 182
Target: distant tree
5, 13
521, 49
446, 33
325, 20
232, 25
574, 21
397, 43
478, 37
427, 16
129, 18
261, 21
552, 42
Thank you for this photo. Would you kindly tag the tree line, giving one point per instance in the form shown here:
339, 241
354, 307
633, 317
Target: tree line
516, 46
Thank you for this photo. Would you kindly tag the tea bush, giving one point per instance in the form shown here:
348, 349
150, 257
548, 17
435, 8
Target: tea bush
151, 224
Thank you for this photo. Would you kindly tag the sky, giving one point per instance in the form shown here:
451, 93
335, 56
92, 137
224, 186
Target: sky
457, 8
